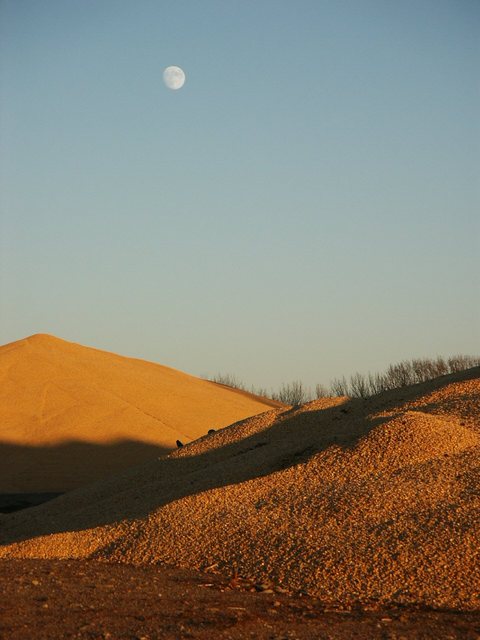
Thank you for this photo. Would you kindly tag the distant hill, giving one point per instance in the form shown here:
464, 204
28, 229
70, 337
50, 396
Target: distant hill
71, 414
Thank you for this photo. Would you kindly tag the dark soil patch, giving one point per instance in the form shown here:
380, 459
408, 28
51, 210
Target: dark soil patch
53, 599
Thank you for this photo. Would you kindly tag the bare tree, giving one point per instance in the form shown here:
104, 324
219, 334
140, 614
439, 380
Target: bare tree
459, 363
442, 366
339, 387
292, 393
401, 374
261, 391
358, 386
321, 391
376, 383
228, 380
419, 370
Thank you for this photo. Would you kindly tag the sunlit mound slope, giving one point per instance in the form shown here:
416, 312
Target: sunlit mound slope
70, 414
348, 500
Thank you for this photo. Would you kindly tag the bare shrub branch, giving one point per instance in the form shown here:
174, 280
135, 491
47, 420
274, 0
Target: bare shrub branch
228, 380
292, 393
359, 386
339, 387
321, 391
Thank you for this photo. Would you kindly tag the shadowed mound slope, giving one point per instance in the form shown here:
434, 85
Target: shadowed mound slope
71, 414
374, 499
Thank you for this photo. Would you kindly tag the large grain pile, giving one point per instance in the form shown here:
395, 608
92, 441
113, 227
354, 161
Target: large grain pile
71, 414
349, 500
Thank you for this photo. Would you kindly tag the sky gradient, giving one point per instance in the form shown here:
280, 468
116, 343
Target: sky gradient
306, 206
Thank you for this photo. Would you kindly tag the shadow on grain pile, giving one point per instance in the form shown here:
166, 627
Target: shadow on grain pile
285, 438
178, 475
47, 463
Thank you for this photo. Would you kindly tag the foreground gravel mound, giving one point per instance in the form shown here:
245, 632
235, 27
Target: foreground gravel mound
347, 500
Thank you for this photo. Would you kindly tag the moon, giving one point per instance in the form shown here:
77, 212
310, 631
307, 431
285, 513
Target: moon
174, 77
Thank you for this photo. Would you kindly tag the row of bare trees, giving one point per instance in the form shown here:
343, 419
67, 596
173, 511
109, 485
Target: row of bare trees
361, 385
399, 375
291, 393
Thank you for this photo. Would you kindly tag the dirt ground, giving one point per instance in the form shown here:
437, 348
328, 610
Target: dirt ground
53, 599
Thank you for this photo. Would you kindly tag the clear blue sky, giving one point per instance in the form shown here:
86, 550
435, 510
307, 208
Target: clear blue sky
306, 206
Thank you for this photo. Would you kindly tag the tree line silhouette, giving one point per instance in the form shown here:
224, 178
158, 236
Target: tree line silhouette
360, 385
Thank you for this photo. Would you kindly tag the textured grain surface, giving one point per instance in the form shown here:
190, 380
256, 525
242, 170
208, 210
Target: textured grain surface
71, 415
346, 500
